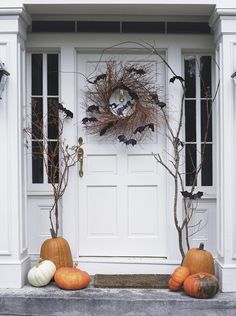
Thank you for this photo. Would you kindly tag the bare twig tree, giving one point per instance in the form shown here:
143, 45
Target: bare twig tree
57, 156
174, 168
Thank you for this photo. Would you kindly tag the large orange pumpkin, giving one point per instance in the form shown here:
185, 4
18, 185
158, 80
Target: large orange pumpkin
71, 278
199, 260
201, 285
58, 251
177, 278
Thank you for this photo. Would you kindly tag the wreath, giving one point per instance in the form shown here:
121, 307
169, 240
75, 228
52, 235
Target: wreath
123, 103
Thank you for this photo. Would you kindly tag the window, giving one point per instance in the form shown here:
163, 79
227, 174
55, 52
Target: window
198, 82
164, 27
44, 94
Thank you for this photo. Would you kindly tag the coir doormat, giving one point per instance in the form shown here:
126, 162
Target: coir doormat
145, 281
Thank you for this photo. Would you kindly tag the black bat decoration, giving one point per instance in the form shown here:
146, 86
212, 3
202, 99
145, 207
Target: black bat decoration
108, 126
68, 113
140, 129
161, 105
99, 77
197, 195
172, 80
151, 126
93, 108
123, 139
191, 196
86, 120
179, 142
137, 71
62, 108
131, 141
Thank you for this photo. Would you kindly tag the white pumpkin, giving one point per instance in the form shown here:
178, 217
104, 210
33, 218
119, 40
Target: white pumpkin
42, 273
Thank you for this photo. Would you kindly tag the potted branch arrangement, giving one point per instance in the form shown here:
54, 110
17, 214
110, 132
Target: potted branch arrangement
174, 166
58, 157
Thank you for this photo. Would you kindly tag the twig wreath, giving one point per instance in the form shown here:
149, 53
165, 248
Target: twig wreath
123, 103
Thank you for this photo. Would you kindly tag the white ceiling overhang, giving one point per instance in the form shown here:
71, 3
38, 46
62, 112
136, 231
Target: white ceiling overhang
121, 8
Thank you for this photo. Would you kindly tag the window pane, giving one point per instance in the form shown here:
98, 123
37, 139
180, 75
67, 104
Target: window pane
188, 27
190, 76
207, 166
53, 26
53, 118
205, 71
53, 162
143, 27
37, 163
190, 121
98, 26
206, 119
52, 74
37, 74
190, 159
37, 118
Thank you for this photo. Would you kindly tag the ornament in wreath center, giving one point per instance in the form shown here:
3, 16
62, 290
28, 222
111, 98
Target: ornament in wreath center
122, 103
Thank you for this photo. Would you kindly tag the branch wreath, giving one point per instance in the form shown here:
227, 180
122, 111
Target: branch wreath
123, 103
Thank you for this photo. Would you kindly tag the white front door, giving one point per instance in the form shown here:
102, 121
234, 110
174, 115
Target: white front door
122, 192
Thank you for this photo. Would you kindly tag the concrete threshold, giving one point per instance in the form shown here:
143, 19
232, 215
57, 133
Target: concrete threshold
51, 300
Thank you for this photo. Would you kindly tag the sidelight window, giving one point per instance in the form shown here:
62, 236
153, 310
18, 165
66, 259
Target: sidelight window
198, 119
44, 124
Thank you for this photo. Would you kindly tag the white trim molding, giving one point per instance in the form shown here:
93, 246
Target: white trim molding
227, 275
13, 273
224, 24
14, 259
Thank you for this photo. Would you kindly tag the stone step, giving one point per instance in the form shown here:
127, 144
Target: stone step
50, 301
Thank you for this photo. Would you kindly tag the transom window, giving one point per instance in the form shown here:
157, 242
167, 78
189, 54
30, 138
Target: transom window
198, 82
44, 93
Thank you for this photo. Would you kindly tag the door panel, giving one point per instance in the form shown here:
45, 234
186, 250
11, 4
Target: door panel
122, 193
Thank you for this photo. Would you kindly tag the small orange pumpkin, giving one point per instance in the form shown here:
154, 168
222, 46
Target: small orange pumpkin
199, 260
173, 285
177, 278
201, 285
71, 278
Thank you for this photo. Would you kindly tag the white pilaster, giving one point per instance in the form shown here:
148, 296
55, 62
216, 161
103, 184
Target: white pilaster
225, 38
68, 97
14, 261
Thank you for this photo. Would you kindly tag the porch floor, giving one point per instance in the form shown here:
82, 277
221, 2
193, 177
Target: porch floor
51, 300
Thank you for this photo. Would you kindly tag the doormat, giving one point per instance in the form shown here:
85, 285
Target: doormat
142, 281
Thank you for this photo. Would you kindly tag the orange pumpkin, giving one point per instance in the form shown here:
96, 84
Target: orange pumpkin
180, 274
201, 285
173, 285
58, 251
177, 278
199, 260
71, 278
